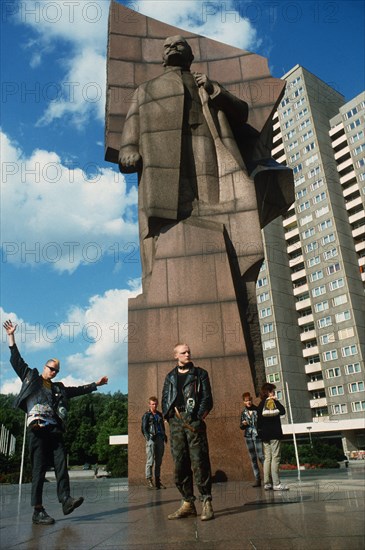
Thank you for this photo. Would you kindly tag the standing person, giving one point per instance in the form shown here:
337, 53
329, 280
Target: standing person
186, 402
254, 444
45, 403
153, 429
269, 428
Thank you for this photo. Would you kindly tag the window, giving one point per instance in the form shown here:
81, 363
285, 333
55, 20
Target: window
313, 261
308, 148
311, 246
308, 233
301, 193
299, 103
314, 172
332, 253
303, 206
272, 378
339, 409
351, 113
289, 123
324, 322
322, 211
304, 124
346, 333
343, 316
325, 225
333, 268
294, 157
358, 406
307, 135
286, 112
353, 124
316, 184
292, 145
299, 181
328, 239
330, 355
339, 300
302, 113
336, 390
316, 275
357, 137
265, 312
321, 306
267, 327
318, 290
261, 282
349, 350
320, 197
359, 149
328, 338
306, 219
262, 297
269, 344
356, 387
297, 168
271, 361
352, 368
333, 373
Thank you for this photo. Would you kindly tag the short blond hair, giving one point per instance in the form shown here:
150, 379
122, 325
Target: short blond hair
55, 361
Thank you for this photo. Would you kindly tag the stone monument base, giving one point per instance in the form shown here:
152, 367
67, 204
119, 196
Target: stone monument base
191, 299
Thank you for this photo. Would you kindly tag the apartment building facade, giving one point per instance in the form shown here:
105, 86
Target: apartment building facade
310, 291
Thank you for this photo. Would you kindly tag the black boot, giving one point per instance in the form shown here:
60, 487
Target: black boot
40, 517
69, 504
158, 484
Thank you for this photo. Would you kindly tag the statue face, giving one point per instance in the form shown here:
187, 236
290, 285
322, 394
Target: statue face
177, 52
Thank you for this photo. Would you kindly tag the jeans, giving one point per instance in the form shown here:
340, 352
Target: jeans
47, 449
154, 451
272, 461
254, 447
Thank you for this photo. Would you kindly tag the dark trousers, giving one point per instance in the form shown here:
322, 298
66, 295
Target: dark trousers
190, 453
47, 449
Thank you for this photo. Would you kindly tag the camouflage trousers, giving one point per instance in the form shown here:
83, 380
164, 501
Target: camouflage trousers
190, 454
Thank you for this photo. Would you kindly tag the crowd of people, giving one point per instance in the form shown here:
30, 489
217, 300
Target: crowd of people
186, 402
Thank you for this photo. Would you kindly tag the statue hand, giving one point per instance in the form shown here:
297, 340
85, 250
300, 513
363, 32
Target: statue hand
202, 80
129, 161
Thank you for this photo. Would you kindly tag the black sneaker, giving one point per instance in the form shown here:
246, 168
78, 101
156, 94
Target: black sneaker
69, 504
41, 517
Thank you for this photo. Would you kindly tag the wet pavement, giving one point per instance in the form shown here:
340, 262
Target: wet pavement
325, 510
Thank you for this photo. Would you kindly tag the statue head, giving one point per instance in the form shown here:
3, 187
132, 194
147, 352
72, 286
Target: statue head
177, 52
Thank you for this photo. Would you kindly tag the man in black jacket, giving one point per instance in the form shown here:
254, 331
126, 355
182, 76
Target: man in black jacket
186, 401
153, 429
45, 403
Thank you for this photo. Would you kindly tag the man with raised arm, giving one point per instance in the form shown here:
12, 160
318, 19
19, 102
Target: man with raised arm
46, 403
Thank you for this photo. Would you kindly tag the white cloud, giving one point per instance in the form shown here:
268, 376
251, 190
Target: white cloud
64, 217
84, 27
217, 20
31, 337
11, 386
105, 327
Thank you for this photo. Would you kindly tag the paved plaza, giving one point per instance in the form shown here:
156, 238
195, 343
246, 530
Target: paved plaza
325, 510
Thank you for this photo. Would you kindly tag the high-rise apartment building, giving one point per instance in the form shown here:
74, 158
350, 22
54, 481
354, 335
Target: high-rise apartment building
310, 291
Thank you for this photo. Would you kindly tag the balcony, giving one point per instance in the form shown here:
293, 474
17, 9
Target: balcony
306, 319
292, 233
345, 166
358, 216
320, 402
295, 261
360, 246
307, 352
342, 153
300, 289
311, 368
337, 142
317, 385
278, 149
294, 247
303, 304
291, 220
336, 129
358, 231
308, 335
352, 189
353, 203
348, 177
298, 275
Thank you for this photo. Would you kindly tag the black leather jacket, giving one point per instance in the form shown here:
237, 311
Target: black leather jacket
32, 381
196, 388
150, 426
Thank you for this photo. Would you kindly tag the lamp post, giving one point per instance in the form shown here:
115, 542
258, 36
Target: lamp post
310, 436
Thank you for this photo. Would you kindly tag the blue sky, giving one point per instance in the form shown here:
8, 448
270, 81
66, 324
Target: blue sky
70, 258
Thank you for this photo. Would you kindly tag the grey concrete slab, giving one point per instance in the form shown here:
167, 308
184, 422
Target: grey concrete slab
324, 511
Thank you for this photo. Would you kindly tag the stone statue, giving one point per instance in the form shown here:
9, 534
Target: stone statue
195, 154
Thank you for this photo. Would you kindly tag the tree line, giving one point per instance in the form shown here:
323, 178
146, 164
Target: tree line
91, 420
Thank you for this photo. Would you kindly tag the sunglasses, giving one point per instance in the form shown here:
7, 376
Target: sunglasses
52, 369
